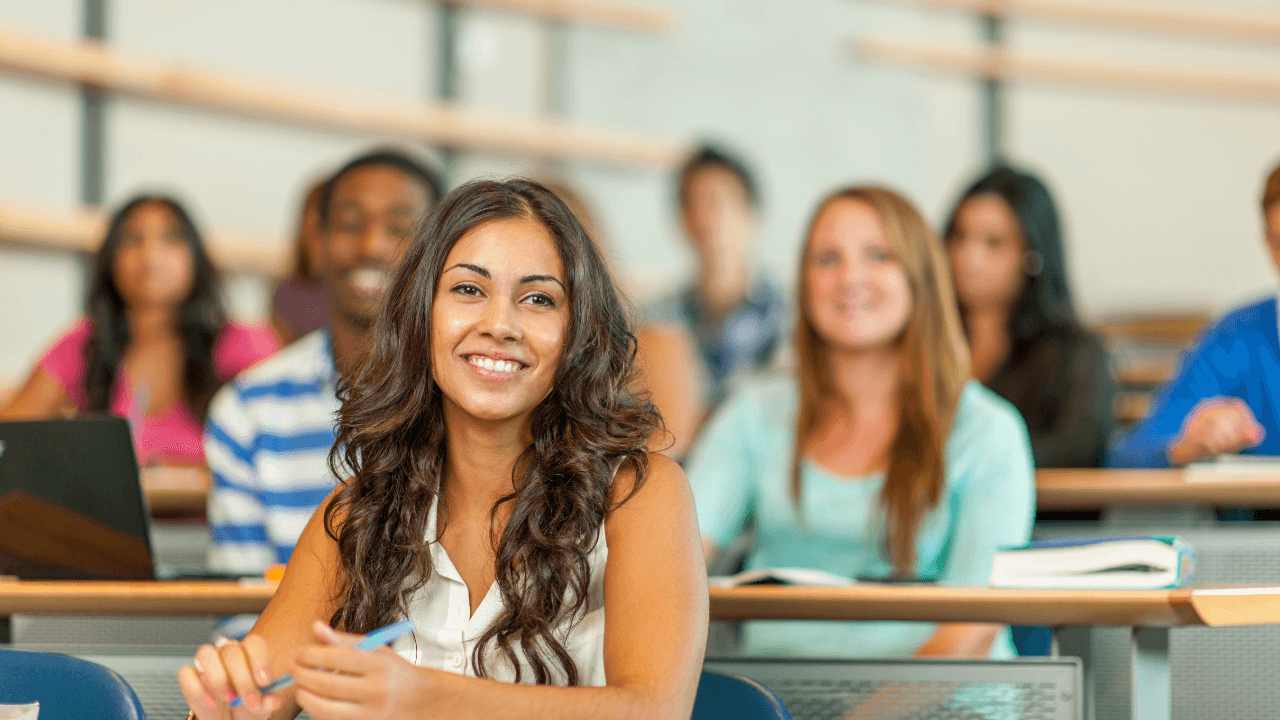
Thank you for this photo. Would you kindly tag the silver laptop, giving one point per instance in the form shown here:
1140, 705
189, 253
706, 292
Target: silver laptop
917, 689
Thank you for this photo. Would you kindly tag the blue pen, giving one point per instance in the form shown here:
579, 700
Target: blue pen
375, 639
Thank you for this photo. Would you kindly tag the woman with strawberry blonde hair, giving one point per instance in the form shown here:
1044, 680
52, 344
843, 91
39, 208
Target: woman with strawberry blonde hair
879, 455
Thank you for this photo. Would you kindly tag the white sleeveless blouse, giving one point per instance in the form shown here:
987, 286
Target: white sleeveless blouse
445, 634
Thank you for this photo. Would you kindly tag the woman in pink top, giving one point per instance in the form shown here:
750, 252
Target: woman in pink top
156, 344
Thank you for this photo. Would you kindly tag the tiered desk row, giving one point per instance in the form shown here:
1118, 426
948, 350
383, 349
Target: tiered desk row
1145, 617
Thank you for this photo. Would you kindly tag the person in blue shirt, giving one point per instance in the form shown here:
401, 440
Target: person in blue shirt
1223, 399
880, 455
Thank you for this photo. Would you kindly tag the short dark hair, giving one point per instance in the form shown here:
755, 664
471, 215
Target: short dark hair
417, 170
711, 156
1271, 191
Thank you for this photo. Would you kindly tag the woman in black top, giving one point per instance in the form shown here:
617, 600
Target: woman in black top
1005, 243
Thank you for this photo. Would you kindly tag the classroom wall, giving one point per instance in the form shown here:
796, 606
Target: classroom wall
1161, 191
777, 81
1158, 192
39, 147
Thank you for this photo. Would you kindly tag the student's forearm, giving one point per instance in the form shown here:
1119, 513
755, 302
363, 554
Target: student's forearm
448, 696
960, 640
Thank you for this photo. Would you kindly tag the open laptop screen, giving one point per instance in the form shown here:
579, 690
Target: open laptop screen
71, 504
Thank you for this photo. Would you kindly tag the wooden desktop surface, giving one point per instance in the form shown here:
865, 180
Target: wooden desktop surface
76, 597
1091, 489
1187, 606
177, 504
176, 491
1144, 608
1055, 490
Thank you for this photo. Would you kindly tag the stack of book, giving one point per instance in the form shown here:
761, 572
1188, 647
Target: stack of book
1147, 562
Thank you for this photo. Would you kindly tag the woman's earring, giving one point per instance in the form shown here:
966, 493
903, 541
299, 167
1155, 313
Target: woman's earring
1033, 263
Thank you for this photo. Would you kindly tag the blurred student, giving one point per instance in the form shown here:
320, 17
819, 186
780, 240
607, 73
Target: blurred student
299, 305
155, 344
574, 200
1225, 397
880, 457
271, 429
729, 322
1004, 239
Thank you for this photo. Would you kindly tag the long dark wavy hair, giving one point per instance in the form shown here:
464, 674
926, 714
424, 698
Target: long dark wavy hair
392, 442
201, 317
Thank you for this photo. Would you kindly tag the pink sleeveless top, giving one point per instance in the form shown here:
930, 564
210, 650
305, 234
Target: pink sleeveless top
173, 436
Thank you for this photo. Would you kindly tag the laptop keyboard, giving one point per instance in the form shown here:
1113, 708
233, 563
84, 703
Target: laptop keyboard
874, 700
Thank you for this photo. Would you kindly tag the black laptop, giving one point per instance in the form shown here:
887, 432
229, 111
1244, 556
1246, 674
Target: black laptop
71, 502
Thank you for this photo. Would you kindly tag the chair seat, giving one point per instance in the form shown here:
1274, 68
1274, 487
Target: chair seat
67, 688
722, 696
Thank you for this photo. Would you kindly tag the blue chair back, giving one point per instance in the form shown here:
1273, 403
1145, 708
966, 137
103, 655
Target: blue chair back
67, 688
731, 697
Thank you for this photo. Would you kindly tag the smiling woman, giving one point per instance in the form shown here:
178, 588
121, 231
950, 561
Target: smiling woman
880, 456
498, 327
499, 496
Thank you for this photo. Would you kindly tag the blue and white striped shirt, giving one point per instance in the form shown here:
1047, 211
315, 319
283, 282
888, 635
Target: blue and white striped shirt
267, 442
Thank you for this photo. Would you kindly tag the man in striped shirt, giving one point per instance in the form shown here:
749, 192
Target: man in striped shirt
269, 431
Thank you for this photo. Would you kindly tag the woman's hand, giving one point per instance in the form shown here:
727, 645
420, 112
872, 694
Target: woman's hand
1216, 426
220, 674
338, 682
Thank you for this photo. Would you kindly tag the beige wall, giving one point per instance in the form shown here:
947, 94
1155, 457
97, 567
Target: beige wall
1158, 191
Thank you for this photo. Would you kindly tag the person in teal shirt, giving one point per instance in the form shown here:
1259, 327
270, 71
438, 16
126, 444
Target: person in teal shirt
878, 456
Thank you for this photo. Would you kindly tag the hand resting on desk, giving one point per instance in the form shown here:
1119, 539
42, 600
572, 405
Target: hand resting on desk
1216, 426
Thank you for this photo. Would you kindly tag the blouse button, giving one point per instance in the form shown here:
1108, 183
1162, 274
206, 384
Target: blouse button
456, 660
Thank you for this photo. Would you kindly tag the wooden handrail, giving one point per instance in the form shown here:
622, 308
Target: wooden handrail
83, 231
1013, 65
607, 13
1126, 15
335, 109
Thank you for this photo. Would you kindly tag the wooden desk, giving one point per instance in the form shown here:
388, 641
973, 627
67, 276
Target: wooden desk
1138, 608
176, 491
1150, 374
1148, 613
1092, 489
177, 504
132, 598
1058, 608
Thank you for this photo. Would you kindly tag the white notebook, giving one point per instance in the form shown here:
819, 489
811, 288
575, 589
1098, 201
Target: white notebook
1132, 562
781, 576
26, 711
1235, 468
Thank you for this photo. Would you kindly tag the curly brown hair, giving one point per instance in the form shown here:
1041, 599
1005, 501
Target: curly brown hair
391, 438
